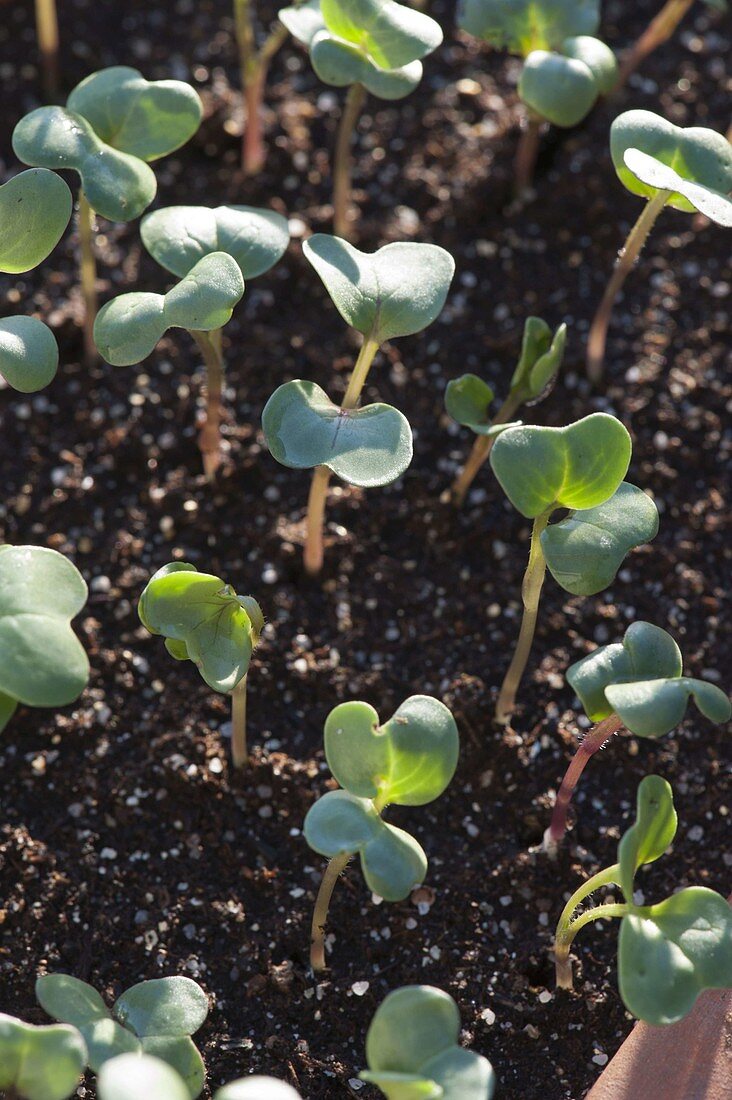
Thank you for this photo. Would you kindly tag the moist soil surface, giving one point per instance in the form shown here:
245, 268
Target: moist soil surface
128, 847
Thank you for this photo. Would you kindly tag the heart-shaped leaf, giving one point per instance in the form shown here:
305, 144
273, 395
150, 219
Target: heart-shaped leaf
145, 118
396, 291
579, 466
117, 186
461, 1073
694, 154
28, 354
652, 708
391, 860
585, 550
560, 89
40, 1063
74, 1002
521, 26
391, 34
179, 236
408, 760
304, 428
669, 953
132, 1077
257, 1088
646, 653
44, 664
541, 357
341, 64
181, 1055
127, 329
164, 1006
202, 612
303, 21
654, 829
598, 58
35, 207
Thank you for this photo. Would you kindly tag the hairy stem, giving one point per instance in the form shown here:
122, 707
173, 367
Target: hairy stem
342, 160
209, 439
658, 31
527, 152
47, 31
88, 266
562, 961
637, 237
567, 928
315, 516
480, 452
320, 914
531, 593
592, 743
239, 754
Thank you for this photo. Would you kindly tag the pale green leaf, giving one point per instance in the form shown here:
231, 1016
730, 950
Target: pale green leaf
35, 207
560, 89
139, 1077
654, 829
179, 236
28, 353
521, 26
391, 34
652, 708
163, 1007
40, 1063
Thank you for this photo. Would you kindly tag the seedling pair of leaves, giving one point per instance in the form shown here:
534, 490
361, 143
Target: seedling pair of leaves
144, 1077
637, 684
156, 1017
686, 168
203, 620
408, 761
468, 398
670, 952
35, 208
413, 1051
396, 291
40, 1063
579, 468
212, 251
43, 663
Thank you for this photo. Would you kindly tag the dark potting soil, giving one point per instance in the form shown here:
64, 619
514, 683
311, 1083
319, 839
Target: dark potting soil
128, 848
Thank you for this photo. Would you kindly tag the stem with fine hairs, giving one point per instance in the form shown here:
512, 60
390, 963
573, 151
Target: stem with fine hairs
209, 439
47, 32
568, 928
320, 914
88, 266
342, 160
480, 452
658, 31
239, 754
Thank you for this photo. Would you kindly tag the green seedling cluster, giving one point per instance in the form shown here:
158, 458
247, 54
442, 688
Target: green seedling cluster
668, 952
203, 620
407, 761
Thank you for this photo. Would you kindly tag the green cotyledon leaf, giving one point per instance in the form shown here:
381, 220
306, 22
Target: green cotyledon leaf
35, 207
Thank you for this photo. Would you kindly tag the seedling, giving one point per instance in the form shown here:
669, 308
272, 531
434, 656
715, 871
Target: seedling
113, 124
580, 468
637, 684
367, 46
468, 398
409, 761
156, 1017
144, 1077
203, 620
128, 328
47, 35
179, 237
254, 65
687, 168
659, 30
396, 291
413, 1049
670, 952
44, 663
40, 1063
565, 68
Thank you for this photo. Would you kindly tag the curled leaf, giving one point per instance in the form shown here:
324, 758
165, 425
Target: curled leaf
391, 34
541, 358
653, 172
467, 400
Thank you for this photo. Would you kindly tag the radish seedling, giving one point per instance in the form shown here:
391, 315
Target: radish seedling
35, 207
179, 237
687, 168
40, 1063
396, 291
203, 620
637, 684
144, 1077
659, 30
113, 124
409, 761
156, 1017
254, 62
128, 328
580, 468
413, 1049
367, 46
668, 953
43, 663
468, 398
565, 68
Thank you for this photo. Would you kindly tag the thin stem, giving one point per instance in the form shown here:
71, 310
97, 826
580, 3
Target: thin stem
562, 962
88, 277
320, 914
566, 928
254, 65
527, 152
47, 31
531, 593
239, 754
658, 31
209, 439
315, 516
637, 237
592, 743
342, 160
480, 452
